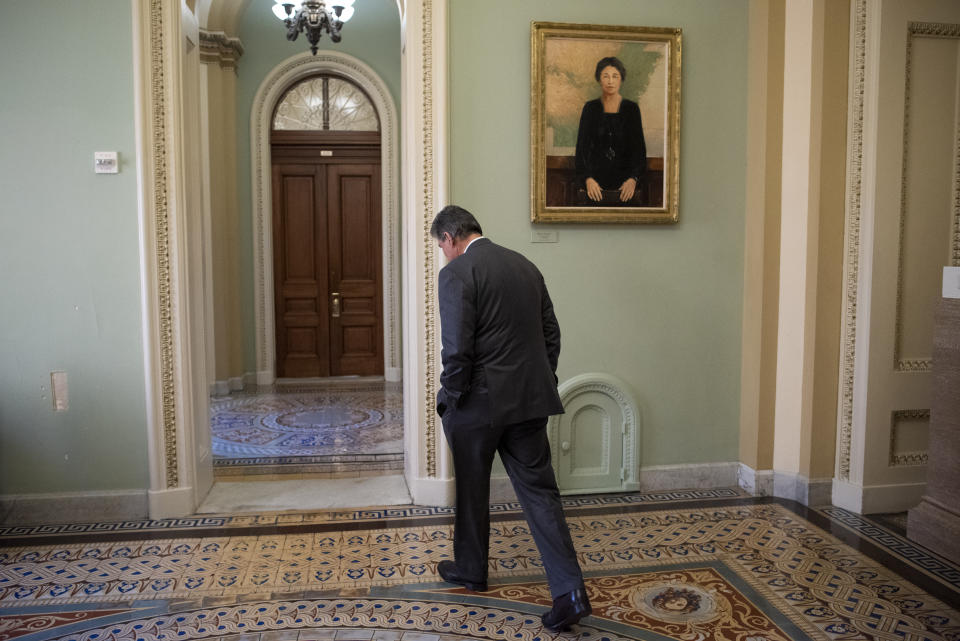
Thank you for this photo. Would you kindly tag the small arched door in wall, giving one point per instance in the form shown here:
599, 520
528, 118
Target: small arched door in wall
327, 253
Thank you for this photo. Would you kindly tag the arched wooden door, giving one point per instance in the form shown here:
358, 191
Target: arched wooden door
327, 251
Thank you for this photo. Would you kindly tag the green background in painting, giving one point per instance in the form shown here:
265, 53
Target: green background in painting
569, 74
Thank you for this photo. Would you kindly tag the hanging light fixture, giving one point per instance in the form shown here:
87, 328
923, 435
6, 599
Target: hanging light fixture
313, 17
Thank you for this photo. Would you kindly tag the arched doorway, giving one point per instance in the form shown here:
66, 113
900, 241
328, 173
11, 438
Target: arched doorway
326, 254
328, 292
178, 465
297, 72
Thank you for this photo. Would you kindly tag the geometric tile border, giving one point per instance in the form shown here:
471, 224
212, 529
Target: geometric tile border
371, 514
916, 555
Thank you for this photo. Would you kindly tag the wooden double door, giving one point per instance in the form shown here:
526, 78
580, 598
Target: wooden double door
327, 254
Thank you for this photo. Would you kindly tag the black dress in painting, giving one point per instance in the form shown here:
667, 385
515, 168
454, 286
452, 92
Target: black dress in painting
610, 146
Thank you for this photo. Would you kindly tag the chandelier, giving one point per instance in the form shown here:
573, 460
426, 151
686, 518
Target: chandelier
313, 17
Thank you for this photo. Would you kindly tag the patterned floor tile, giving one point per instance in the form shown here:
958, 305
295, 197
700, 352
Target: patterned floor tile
336, 420
752, 572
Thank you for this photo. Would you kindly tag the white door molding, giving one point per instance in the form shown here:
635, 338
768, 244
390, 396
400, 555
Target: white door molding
429, 468
884, 395
171, 359
168, 358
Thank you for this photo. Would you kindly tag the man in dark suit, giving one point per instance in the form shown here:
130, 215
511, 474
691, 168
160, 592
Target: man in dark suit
501, 342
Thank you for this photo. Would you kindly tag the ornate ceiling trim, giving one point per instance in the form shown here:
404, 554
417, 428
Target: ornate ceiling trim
217, 47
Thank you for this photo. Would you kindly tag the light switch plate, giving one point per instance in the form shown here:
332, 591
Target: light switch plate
105, 162
61, 396
951, 282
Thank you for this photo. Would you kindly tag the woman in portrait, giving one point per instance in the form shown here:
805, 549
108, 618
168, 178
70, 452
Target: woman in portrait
611, 153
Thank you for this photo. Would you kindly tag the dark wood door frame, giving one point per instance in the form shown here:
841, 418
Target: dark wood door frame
328, 172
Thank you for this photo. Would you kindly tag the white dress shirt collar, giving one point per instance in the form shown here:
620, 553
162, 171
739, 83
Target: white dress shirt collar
470, 243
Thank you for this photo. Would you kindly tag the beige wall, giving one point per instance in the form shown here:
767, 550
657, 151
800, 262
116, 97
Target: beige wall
225, 223
815, 446
762, 234
830, 257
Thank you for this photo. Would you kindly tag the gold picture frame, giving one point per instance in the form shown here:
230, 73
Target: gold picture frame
563, 73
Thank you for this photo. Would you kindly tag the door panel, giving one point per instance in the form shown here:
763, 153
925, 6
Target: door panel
356, 335
300, 271
590, 444
327, 264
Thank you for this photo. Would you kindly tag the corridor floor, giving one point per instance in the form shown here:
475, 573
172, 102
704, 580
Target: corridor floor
343, 423
692, 565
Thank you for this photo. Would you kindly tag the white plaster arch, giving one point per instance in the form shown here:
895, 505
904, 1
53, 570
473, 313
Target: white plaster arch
274, 85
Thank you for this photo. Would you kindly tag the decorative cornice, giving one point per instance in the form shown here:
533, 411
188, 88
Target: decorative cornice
909, 458
218, 47
852, 242
913, 364
934, 29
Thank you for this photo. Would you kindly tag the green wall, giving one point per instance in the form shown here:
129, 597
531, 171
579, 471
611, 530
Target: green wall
372, 36
69, 250
657, 306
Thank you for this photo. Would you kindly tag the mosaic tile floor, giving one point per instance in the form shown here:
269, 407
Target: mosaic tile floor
738, 569
334, 421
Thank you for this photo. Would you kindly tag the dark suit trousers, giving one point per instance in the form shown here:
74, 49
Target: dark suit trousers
525, 453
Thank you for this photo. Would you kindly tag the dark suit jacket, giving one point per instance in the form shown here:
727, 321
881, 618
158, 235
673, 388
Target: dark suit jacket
501, 340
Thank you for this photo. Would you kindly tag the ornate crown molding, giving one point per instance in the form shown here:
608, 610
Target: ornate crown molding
218, 47
934, 29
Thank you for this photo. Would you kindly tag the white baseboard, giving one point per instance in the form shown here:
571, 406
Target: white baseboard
785, 485
165, 504
501, 490
876, 499
393, 374
232, 384
74, 507
756, 482
651, 479
797, 487
428, 491
700, 476
265, 378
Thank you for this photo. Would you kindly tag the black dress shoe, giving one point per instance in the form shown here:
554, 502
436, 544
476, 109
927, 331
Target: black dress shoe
567, 610
449, 573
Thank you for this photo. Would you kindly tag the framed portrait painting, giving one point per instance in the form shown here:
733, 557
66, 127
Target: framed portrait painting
605, 124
